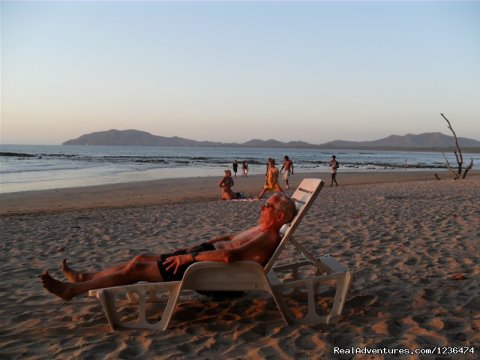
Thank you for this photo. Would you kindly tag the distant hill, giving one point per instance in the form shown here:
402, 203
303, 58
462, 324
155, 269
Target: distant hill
426, 141
142, 138
134, 138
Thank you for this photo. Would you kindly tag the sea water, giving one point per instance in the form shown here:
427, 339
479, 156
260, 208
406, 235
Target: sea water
30, 167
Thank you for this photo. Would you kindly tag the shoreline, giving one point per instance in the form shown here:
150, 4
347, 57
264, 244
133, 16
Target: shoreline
171, 191
54, 180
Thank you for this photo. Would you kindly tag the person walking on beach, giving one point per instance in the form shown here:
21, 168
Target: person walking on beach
226, 184
333, 165
271, 181
288, 166
245, 168
256, 244
235, 167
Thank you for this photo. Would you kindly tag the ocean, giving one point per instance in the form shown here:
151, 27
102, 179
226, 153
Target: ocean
32, 167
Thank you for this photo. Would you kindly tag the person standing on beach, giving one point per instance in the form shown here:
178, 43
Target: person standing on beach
226, 184
256, 244
333, 165
288, 166
271, 181
235, 167
245, 168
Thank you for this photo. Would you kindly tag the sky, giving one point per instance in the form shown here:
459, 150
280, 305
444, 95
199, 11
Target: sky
232, 71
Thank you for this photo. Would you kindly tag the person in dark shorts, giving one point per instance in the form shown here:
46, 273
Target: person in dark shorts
235, 167
256, 244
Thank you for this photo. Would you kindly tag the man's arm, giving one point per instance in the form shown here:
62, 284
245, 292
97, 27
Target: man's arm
173, 263
221, 238
213, 241
259, 249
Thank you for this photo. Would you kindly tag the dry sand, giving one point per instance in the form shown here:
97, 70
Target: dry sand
413, 245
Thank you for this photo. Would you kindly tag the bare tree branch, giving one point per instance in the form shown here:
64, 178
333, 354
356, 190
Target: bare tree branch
467, 169
448, 165
458, 151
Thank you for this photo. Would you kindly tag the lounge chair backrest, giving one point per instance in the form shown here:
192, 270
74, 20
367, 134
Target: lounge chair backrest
303, 197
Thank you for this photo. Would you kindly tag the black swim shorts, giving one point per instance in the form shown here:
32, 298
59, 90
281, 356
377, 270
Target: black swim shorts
168, 275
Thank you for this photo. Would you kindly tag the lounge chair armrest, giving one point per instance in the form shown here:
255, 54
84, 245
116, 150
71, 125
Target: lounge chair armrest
296, 265
325, 263
219, 264
332, 265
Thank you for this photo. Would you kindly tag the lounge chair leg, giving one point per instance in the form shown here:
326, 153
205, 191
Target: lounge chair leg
343, 285
109, 308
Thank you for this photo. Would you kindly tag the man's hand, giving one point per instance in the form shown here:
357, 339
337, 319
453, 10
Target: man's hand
174, 262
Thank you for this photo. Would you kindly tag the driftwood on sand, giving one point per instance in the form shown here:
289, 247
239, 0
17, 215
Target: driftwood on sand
458, 156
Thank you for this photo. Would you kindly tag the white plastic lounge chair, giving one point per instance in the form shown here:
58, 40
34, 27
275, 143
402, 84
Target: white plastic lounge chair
243, 276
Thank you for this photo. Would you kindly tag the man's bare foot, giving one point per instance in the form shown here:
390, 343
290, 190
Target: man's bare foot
63, 290
71, 275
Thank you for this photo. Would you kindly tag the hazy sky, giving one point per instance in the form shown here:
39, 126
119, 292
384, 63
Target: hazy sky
233, 71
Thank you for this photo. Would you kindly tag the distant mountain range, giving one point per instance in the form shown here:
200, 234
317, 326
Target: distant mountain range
426, 141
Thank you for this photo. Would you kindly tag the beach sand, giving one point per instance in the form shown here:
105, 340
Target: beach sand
413, 244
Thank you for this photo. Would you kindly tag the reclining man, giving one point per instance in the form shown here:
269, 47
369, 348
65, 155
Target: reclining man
257, 243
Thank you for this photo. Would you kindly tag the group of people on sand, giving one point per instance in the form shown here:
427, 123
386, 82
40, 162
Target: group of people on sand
244, 168
271, 178
272, 175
